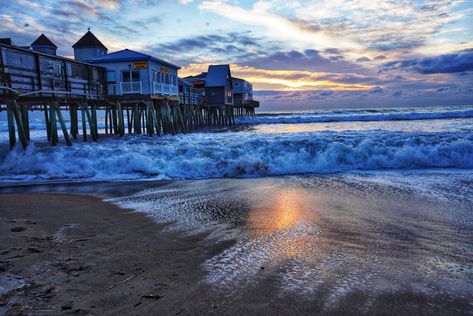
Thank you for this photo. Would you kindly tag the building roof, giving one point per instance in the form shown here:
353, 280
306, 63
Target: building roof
28, 50
238, 79
217, 75
42, 40
184, 82
202, 75
89, 40
6, 40
128, 55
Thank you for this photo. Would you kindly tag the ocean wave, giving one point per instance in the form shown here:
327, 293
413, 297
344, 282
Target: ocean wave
356, 116
243, 154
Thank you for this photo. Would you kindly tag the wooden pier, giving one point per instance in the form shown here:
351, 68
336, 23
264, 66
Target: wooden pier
60, 88
150, 117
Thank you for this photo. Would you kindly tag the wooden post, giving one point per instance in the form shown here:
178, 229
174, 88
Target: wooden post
114, 120
19, 125
46, 119
84, 126
121, 127
63, 125
94, 121
129, 119
25, 120
106, 121
53, 124
11, 125
91, 124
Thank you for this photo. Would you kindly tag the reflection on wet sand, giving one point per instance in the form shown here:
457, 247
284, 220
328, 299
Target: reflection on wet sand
283, 209
328, 239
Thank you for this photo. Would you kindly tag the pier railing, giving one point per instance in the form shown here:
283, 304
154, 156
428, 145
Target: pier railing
164, 89
134, 87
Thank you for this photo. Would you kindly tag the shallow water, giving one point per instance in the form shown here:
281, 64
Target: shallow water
330, 236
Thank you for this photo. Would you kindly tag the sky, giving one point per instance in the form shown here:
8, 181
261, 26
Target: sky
312, 54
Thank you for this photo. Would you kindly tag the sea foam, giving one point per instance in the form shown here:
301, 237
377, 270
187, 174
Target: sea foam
360, 115
237, 154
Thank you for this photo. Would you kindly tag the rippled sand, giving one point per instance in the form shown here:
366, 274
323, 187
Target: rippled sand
354, 241
393, 243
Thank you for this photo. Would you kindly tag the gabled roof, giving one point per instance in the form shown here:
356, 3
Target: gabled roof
202, 75
6, 40
89, 40
42, 40
237, 79
128, 55
217, 75
184, 82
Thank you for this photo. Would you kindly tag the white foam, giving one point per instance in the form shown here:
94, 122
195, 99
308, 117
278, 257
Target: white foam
243, 154
361, 115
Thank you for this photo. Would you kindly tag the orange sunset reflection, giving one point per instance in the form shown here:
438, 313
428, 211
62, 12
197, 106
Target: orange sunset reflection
283, 210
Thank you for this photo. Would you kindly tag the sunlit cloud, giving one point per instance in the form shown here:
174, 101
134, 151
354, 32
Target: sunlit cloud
362, 51
286, 80
276, 25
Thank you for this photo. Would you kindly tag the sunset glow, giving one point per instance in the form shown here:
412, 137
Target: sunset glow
298, 54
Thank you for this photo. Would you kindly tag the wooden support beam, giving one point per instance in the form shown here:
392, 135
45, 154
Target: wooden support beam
46, 119
94, 121
121, 127
11, 125
84, 126
91, 124
63, 124
114, 120
25, 120
106, 121
53, 124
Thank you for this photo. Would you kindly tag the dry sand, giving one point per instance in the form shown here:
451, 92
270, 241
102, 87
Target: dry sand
77, 254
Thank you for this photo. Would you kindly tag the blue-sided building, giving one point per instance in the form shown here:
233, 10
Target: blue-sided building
218, 85
130, 72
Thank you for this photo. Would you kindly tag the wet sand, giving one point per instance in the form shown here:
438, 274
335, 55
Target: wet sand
75, 253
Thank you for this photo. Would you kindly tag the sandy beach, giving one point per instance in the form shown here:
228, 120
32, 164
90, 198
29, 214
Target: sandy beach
282, 246
77, 254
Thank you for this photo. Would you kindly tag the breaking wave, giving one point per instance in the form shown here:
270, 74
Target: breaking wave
359, 116
242, 154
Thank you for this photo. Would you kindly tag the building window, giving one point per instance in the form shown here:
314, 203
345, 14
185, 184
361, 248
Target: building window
173, 80
111, 78
56, 68
131, 76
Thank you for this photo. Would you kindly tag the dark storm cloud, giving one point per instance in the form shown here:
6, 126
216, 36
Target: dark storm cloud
459, 62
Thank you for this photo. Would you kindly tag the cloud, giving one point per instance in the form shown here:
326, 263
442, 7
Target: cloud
309, 59
213, 48
293, 30
289, 80
398, 93
449, 63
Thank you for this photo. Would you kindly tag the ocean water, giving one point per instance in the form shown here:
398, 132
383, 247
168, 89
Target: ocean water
266, 145
370, 209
